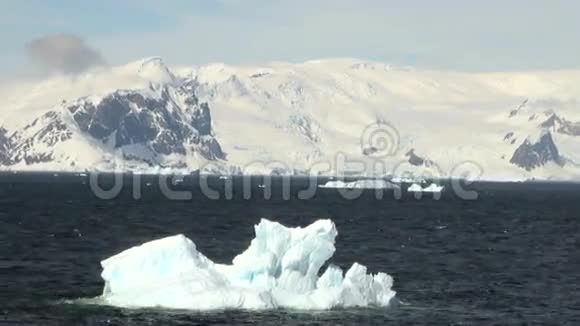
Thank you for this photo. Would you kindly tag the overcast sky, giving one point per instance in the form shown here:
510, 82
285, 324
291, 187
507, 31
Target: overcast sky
490, 35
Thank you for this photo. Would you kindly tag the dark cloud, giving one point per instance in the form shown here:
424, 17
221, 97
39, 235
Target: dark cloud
63, 53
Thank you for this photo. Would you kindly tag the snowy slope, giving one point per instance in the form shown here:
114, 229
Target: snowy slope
295, 118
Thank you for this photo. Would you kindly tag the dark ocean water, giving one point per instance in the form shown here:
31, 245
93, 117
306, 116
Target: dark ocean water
510, 257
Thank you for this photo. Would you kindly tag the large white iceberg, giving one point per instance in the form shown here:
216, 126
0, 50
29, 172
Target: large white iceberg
280, 269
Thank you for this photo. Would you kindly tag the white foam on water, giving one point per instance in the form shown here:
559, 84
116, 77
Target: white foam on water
280, 269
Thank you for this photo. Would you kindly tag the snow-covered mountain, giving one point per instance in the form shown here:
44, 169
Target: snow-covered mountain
329, 116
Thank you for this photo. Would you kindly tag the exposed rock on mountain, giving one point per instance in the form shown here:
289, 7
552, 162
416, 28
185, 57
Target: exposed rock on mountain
5, 147
509, 138
35, 142
305, 127
562, 125
533, 155
516, 111
417, 160
162, 121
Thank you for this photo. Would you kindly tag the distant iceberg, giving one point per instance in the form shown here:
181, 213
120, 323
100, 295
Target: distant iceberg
434, 188
360, 184
406, 179
415, 188
280, 269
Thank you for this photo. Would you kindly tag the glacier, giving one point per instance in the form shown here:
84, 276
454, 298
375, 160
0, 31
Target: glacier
280, 269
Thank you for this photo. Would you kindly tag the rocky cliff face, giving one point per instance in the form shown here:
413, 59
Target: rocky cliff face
161, 121
34, 143
167, 124
533, 155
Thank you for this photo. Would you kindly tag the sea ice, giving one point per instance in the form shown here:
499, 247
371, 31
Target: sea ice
280, 269
431, 188
360, 184
415, 188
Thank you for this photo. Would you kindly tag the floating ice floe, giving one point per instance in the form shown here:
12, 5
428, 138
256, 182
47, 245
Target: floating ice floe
434, 188
406, 179
431, 188
177, 180
360, 184
280, 269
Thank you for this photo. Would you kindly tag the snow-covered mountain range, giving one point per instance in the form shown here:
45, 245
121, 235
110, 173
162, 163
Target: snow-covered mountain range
331, 116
